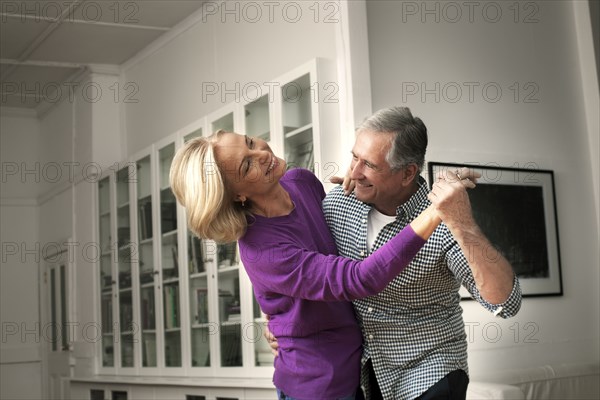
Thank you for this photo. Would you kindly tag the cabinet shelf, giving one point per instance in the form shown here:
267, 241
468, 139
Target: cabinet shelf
169, 234
126, 246
147, 285
297, 131
201, 325
231, 323
233, 268
170, 281
198, 275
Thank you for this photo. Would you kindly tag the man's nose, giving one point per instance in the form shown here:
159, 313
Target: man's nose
356, 171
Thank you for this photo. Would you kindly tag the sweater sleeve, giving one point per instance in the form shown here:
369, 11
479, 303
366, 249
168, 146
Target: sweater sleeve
289, 270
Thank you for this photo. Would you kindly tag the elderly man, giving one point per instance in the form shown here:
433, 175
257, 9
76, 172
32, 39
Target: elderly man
415, 345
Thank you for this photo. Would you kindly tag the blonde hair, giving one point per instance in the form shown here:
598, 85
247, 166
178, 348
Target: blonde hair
198, 185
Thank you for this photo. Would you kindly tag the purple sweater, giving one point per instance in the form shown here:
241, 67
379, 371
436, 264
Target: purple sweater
305, 287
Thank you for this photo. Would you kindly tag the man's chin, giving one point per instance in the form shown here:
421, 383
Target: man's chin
363, 193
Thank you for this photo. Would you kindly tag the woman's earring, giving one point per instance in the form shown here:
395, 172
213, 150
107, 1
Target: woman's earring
243, 204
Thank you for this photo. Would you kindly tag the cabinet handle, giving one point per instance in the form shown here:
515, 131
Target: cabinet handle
156, 272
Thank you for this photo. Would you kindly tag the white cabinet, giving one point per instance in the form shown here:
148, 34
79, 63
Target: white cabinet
170, 303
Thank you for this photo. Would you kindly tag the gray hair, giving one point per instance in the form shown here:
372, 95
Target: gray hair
409, 140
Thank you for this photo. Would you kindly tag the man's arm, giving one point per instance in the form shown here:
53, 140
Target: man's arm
492, 273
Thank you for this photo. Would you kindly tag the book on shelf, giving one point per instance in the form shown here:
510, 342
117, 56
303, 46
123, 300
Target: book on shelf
168, 215
196, 257
171, 306
145, 222
175, 260
200, 306
106, 314
148, 322
149, 350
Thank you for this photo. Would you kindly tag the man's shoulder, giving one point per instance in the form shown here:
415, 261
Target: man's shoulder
336, 199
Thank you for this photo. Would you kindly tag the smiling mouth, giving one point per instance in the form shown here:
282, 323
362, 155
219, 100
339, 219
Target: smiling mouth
272, 165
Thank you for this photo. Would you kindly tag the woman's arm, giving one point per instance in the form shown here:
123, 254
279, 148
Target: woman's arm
288, 270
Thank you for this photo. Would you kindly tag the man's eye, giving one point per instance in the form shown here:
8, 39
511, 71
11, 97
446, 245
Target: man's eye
251, 143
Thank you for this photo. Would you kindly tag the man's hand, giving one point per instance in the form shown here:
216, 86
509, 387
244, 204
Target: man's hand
449, 196
272, 340
493, 277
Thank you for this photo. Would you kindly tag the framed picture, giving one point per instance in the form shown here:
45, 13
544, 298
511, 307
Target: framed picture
516, 209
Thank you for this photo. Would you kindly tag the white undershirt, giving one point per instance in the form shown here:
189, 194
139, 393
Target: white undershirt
375, 224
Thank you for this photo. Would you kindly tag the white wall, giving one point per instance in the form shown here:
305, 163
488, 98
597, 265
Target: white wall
218, 50
48, 166
19, 314
411, 51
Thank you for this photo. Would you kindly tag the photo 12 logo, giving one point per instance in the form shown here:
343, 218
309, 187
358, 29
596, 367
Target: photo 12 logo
526, 12
470, 92
117, 12
271, 11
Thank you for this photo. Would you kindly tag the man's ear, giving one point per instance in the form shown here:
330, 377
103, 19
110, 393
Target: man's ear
409, 174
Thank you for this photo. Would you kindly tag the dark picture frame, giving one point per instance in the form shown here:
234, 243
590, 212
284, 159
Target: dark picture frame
516, 209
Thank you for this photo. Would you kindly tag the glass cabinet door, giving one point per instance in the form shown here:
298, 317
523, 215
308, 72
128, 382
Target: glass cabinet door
225, 123
147, 270
198, 259
169, 261
199, 320
256, 116
228, 298
106, 276
124, 252
297, 123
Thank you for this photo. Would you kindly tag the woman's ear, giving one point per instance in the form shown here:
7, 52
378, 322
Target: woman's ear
240, 199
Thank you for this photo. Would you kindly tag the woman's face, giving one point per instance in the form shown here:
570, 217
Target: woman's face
248, 165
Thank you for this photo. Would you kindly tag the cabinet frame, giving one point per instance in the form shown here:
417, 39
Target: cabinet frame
324, 126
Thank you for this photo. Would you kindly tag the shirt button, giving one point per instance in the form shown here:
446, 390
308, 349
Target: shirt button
364, 220
370, 337
362, 253
370, 309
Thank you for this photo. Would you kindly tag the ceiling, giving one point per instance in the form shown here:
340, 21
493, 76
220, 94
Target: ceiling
47, 46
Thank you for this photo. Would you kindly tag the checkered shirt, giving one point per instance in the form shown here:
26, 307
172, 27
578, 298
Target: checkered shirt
413, 331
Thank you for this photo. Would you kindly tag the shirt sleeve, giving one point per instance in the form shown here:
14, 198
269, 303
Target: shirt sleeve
459, 265
286, 269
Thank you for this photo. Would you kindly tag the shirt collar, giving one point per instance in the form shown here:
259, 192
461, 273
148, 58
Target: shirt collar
410, 206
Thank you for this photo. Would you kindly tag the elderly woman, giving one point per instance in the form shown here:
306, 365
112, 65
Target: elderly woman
234, 188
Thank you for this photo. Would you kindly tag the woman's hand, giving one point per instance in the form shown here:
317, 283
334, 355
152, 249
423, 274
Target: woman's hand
346, 182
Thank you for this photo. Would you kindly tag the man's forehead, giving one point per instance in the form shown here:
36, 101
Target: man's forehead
369, 143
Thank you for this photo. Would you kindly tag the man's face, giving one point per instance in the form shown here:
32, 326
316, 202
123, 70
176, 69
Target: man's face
376, 183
